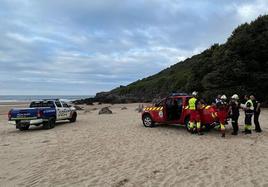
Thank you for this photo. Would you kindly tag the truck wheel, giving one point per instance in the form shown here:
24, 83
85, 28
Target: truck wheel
23, 128
50, 123
73, 118
187, 123
208, 127
147, 121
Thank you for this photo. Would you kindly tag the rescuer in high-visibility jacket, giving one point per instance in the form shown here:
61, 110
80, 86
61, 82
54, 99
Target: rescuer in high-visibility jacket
194, 106
249, 109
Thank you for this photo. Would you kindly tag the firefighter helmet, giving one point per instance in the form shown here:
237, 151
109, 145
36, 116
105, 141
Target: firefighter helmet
194, 93
223, 97
235, 96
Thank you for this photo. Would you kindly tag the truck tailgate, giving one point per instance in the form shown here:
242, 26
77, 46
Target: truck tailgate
24, 113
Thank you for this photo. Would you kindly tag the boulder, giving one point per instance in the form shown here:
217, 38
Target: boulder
78, 107
140, 108
87, 111
124, 108
105, 110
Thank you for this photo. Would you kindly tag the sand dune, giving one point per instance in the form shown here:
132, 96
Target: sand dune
116, 150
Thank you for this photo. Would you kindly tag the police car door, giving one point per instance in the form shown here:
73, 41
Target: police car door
60, 110
67, 110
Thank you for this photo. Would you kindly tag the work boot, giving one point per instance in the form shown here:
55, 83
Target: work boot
258, 131
200, 133
223, 135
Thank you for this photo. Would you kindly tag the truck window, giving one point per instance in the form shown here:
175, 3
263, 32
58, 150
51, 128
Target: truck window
64, 104
179, 100
161, 103
58, 104
37, 104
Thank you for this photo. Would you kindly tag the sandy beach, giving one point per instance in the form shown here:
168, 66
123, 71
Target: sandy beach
116, 150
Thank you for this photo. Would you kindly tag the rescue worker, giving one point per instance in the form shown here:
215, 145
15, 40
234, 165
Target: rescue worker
222, 111
234, 112
194, 106
257, 111
249, 109
218, 99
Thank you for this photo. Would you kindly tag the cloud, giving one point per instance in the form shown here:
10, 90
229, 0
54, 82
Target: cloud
249, 11
82, 47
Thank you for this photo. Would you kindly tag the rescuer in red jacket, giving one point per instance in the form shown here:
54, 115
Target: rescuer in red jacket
194, 106
222, 113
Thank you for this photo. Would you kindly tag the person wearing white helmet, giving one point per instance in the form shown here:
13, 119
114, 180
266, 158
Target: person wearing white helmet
234, 112
194, 93
223, 98
194, 106
249, 109
222, 112
218, 99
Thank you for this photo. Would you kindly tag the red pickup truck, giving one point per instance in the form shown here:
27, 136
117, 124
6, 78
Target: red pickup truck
174, 110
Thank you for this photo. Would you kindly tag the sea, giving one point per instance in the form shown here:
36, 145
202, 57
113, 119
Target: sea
27, 98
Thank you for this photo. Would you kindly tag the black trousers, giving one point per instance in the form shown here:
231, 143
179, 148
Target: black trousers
248, 123
235, 123
256, 122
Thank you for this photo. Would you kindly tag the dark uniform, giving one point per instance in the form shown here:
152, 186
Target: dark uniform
257, 112
234, 113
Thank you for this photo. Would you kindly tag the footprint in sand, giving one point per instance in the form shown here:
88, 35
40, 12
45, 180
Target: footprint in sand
121, 183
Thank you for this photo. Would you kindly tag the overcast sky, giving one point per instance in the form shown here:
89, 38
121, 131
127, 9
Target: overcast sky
86, 46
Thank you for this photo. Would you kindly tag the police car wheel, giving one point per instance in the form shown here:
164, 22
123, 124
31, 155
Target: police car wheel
74, 116
23, 128
49, 124
52, 123
147, 121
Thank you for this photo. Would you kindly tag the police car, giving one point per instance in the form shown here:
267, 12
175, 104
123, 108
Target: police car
43, 112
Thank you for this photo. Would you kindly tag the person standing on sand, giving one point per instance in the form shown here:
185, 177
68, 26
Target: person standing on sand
194, 106
249, 109
218, 99
257, 111
222, 108
234, 112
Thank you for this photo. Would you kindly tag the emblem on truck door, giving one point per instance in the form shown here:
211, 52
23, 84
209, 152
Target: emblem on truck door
160, 113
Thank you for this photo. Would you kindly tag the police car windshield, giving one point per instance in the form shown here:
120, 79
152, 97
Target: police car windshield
37, 104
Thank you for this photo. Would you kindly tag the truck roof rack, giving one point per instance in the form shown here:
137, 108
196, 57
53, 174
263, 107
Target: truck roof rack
179, 94
50, 99
40, 100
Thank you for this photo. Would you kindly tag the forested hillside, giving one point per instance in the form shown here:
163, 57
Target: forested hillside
238, 66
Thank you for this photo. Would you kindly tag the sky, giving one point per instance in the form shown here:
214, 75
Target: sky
80, 47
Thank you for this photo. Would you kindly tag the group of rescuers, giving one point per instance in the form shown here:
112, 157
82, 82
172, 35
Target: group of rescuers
224, 110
